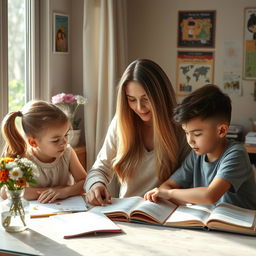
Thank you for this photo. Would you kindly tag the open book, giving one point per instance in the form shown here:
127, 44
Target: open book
224, 217
70, 204
83, 223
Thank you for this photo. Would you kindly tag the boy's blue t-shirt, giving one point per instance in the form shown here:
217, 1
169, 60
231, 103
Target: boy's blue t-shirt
233, 165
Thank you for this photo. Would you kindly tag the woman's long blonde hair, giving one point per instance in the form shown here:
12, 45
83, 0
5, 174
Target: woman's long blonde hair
168, 138
36, 116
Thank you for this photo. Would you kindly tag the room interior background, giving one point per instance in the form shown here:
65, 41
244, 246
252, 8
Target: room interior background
149, 31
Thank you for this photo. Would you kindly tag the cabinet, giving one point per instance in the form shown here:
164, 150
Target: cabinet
81, 154
251, 149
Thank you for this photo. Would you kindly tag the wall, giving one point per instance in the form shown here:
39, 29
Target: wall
62, 72
152, 33
61, 66
77, 46
65, 73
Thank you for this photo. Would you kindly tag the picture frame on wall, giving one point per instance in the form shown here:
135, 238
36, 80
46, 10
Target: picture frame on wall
196, 28
249, 63
60, 33
194, 69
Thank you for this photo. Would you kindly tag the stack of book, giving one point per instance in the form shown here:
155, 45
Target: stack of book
250, 138
235, 132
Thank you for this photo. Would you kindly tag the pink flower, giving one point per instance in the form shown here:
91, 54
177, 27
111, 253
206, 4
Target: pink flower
69, 103
63, 97
69, 98
58, 98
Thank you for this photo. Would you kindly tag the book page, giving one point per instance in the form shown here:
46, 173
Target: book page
125, 205
190, 215
71, 204
82, 223
153, 212
233, 215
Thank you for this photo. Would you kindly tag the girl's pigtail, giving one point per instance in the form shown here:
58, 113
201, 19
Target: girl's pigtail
15, 145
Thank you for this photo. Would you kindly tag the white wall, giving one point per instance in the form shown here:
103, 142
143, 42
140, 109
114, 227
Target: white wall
152, 33
61, 64
66, 73
77, 46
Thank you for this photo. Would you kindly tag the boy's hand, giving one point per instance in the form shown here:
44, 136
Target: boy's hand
157, 193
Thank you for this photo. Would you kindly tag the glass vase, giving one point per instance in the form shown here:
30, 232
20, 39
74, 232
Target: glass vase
15, 211
74, 137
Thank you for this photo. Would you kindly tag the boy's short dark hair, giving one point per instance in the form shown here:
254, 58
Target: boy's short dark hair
207, 102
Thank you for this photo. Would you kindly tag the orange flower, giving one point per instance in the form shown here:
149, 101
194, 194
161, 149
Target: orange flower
21, 182
3, 175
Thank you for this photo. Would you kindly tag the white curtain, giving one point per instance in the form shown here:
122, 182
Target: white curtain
104, 60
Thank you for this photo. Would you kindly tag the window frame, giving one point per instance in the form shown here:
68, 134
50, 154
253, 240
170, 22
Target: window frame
32, 55
3, 62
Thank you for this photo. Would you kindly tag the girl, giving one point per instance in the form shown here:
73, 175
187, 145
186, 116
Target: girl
46, 128
143, 146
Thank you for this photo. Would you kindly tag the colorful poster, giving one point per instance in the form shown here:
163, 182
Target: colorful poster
249, 69
232, 83
196, 28
61, 33
194, 69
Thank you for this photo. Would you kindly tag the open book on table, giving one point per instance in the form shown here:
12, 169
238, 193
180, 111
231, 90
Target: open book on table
224, 217
83, 223
70, 204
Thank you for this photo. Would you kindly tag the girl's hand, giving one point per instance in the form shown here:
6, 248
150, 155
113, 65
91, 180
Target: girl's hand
50, 195
157, 193
98, 195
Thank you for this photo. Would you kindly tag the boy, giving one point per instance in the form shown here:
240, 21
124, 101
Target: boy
216, 170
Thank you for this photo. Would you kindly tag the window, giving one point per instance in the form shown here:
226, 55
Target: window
17, 65
17, 47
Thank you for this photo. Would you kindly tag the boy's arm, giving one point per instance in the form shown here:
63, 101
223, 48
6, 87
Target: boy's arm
169, 184
200, 195
162, 191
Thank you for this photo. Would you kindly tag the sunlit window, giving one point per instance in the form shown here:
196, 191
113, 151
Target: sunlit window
17, 34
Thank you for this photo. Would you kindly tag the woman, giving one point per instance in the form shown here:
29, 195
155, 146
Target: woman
143, 146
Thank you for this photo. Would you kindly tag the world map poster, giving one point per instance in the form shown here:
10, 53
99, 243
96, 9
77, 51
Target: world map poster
194, 69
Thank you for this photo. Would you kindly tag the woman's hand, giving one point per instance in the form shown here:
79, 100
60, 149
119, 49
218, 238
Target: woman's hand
98, 195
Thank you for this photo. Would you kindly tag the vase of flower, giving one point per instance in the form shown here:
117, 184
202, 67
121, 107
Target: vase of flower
70, 103
15, 211
15, 173
74, 137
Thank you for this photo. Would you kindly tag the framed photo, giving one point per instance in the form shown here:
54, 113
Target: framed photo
60, 33
196, 29
249, 67
194, 69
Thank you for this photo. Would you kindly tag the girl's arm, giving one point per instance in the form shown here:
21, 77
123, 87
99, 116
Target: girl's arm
49, 195
79, 174
32, 193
